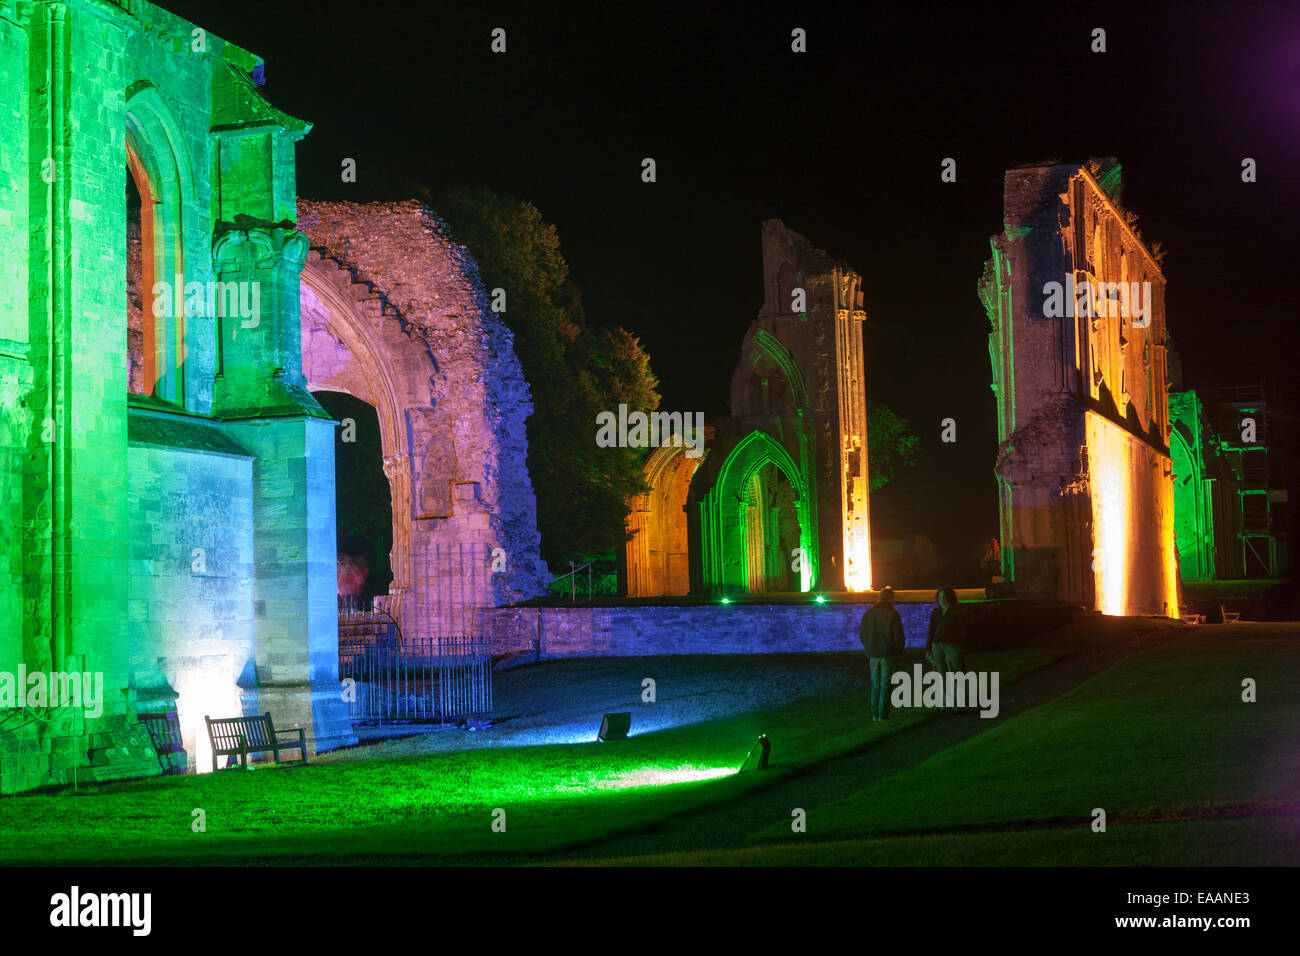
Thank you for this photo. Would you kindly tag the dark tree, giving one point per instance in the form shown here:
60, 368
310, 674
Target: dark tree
891, 445
574, 370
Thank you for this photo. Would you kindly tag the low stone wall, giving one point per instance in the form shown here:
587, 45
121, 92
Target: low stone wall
545, 633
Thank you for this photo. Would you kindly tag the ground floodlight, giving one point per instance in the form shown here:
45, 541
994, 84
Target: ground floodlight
614, 726
757, 757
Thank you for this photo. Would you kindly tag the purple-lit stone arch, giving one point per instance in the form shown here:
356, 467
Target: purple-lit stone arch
449, 410
343, 351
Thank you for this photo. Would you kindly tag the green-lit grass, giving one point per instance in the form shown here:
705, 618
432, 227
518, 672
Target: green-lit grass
1253, 841
1162, 734
1226, 590
440, 806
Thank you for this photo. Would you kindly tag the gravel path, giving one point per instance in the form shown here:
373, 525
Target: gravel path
561, 702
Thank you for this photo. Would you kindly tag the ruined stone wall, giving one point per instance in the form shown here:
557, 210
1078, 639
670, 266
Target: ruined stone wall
826, 342
532, 633
1086, 510
395, 314
798, 400
80, 81
1132, 497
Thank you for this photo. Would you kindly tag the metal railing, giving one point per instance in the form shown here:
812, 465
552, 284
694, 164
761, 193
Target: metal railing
434, 679
572, 575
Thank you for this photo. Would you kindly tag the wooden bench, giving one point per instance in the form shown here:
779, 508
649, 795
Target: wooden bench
1229, 617
165, 734
241, 736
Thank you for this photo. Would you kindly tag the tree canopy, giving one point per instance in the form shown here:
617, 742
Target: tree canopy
574, 369
891, 445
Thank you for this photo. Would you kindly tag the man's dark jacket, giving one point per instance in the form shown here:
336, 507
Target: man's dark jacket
947, 628
881, 631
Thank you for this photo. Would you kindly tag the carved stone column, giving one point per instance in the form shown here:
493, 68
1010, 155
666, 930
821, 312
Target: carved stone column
259, 365
397, 469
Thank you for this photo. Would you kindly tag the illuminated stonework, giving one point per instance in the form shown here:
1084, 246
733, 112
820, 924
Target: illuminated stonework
1128, 528
400, 321
1197, 463
780, 501
1076, 305
854, 485
167, 498
658, 560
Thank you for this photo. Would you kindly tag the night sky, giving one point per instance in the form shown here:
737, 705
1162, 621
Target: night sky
844, 144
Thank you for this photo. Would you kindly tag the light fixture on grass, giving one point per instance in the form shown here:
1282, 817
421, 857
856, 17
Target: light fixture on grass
614, 726
757, 757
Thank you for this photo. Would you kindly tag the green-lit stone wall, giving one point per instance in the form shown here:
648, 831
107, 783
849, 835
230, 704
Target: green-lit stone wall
180, 545
1193, 505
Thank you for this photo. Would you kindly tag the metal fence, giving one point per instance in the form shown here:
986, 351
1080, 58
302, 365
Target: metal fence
362, 623
434, 679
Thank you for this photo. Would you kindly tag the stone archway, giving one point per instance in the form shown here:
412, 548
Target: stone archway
415, 340
657, 555
730, 524
344, 350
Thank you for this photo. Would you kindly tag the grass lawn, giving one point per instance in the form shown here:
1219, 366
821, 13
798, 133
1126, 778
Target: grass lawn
1161, 735
1187, 773
1251, 841
440, 806
1227, 590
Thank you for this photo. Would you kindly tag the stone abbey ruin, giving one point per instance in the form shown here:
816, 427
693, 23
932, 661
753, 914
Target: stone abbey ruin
787, 474
1078, 348
168, 474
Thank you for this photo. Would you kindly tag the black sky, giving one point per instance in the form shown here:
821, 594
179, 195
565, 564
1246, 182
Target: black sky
843, 143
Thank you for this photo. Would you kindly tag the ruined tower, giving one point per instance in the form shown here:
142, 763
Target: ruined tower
1076, 304
780, 501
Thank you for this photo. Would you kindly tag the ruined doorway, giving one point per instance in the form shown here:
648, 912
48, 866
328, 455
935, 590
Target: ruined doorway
758, 524
771, 532
656, 554
409, 332
363, 501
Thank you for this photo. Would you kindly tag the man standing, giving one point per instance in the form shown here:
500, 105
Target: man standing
948, 635
881, 634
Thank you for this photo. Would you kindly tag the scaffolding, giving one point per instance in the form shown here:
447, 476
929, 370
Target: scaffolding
1242, 420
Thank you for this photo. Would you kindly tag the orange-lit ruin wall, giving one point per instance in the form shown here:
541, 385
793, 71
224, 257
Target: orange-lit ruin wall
1084, 476
855, 481
657, 561
1132, 496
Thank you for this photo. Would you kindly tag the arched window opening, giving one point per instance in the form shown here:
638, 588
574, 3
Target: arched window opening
135, 290
157, 182
771, 531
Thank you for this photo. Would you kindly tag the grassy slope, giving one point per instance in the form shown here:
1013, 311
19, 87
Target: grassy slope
1254, 841
441, 805
1162, 733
